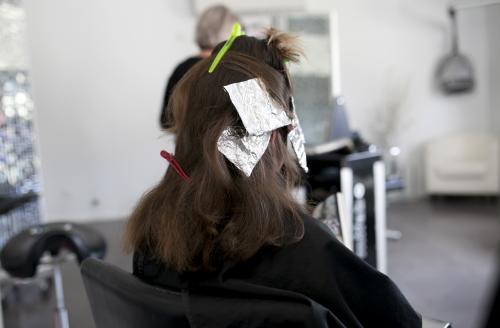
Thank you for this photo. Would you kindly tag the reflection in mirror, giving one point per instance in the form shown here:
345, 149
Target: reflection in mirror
312, 78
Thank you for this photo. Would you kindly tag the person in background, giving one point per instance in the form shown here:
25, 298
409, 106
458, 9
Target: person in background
213, 27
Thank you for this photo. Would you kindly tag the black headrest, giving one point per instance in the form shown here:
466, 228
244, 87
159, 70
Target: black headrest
119, 299
21, 254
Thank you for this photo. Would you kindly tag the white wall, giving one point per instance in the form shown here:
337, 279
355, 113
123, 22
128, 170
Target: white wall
99, 70
389, 51
493, 23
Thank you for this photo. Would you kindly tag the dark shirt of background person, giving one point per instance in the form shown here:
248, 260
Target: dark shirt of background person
214, 26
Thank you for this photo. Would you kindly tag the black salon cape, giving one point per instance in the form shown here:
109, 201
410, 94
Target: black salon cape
177, 74
316, 282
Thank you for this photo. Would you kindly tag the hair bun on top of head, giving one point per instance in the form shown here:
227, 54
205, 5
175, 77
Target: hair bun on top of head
285, 45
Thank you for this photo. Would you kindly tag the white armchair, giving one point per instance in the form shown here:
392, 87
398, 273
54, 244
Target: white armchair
462, 165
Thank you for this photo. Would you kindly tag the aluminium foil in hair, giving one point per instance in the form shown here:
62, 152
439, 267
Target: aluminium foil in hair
244, 152
257, 110
297, 139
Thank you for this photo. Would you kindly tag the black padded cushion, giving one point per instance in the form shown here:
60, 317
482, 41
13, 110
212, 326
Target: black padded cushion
11, 202
21, 254
119, 299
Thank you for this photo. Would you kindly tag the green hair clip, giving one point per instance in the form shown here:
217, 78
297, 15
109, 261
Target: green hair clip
235, 32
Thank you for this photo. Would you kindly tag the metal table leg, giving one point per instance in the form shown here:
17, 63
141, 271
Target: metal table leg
60, 313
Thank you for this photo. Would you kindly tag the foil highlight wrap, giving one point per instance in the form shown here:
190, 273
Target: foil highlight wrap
260, 116
244, 152
297, 139
257, 110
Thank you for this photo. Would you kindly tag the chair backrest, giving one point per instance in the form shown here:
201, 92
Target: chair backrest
333, 212
463, 147
345, 221
119, 299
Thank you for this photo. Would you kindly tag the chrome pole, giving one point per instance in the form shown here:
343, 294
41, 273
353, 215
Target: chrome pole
60, 313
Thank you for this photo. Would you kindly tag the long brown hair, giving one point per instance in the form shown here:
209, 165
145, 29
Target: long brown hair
219, 213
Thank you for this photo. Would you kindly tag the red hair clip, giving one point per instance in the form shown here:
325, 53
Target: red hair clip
175, 165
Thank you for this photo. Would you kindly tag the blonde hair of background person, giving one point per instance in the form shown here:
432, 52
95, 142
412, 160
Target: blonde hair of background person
213, 27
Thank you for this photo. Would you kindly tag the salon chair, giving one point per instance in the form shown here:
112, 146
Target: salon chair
38, 252
326, 160
464, 164
119, 299
345, 147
